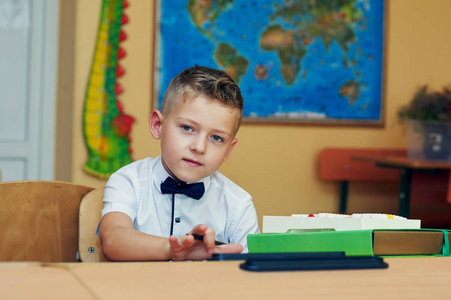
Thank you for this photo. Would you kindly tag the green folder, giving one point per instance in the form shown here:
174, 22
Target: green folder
355, 242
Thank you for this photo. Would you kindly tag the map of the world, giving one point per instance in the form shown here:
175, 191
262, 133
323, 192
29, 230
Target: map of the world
294, 60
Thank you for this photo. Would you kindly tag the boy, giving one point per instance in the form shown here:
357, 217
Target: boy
147, 215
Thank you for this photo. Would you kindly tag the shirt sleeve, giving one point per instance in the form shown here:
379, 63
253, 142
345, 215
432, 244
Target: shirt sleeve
121, 194
246, 223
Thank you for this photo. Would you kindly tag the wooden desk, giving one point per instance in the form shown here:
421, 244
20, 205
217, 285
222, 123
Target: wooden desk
34, 281
407, 167
405, 278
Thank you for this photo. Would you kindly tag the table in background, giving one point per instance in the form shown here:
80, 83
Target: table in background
407, 166
405, 278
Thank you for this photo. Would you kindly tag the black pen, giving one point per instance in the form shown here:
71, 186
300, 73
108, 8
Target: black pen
201, 238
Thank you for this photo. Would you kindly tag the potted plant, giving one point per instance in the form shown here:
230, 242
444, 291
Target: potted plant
428, 117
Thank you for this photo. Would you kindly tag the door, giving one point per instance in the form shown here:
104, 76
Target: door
28, 68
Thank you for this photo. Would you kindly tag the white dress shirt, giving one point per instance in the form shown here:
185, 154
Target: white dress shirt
224, 207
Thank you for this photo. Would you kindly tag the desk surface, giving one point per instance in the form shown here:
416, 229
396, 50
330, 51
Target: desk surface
406, 278
403, 162
35, 281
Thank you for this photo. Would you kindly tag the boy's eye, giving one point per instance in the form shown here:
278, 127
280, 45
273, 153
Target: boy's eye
186, 128
217, 138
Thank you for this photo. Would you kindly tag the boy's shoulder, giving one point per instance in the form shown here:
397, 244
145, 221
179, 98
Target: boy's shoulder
220, 181
140, 166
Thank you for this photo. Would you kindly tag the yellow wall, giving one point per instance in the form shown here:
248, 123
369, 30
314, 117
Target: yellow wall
277, 163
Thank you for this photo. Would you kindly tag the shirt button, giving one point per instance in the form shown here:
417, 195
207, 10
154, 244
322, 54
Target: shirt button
177, 220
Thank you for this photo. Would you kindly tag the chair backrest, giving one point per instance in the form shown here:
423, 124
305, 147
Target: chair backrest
89, 245
335, 164
39, 220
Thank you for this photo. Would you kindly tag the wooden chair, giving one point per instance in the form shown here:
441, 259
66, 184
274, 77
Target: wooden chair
89, 245
39, 220
335, 164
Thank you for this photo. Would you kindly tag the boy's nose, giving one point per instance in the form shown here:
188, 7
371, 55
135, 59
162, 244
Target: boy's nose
198, 145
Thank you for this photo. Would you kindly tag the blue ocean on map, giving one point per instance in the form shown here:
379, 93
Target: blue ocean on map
331, 83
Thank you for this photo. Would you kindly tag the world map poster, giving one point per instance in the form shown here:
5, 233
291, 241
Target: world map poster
295, 61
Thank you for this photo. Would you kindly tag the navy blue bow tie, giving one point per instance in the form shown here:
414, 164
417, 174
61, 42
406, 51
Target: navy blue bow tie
193, 190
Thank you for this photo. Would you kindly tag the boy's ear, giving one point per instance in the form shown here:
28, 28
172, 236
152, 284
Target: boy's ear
155, 123
234, 141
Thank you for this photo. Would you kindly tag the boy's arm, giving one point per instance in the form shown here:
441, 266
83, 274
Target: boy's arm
121, 242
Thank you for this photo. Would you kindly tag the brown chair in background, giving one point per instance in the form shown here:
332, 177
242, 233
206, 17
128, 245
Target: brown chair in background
39, 220
89, 245
336, 164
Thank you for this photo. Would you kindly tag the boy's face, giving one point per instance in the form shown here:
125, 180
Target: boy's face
196, 137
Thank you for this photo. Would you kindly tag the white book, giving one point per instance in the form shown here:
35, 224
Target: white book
281, 224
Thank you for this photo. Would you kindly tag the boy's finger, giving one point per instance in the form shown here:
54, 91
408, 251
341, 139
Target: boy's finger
209, 239
173, 241
199, 229
187, 240
228, 248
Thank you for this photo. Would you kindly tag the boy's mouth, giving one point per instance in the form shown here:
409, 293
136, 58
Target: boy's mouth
192, 163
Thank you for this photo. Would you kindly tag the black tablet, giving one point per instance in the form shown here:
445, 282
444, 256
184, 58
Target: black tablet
278, 256
345, 263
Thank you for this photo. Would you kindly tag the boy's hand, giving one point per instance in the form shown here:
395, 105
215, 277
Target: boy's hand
187, 248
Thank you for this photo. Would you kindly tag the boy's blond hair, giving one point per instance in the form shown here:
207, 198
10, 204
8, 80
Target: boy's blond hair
198, 80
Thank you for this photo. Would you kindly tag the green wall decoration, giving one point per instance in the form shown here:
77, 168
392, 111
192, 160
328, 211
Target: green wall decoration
106, 127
